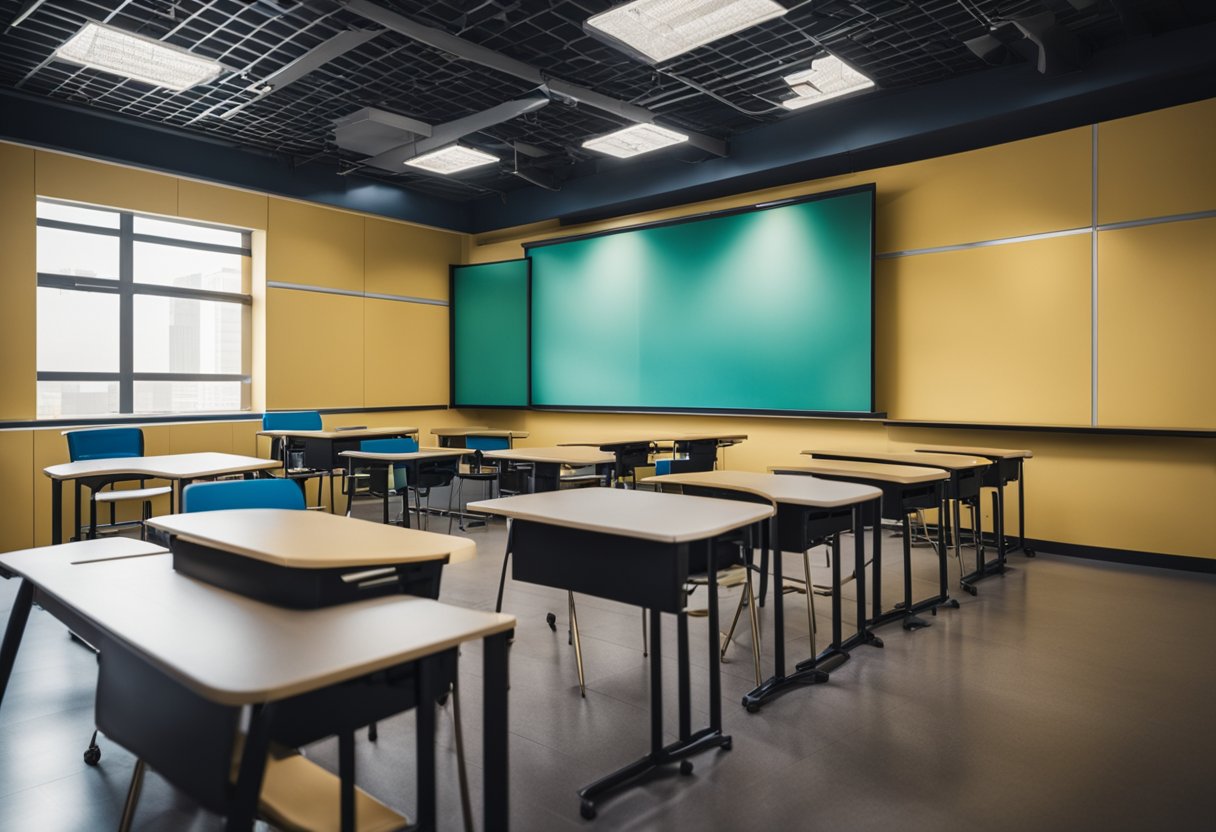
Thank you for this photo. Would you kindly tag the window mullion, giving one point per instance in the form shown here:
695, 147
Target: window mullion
126, 313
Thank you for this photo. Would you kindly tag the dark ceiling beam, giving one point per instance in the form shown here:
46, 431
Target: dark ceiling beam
43, 123
469, 51
888, 127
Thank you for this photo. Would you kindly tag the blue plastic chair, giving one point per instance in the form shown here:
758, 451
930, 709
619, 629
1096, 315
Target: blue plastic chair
478, 472
296, 420
111, 443
263, 493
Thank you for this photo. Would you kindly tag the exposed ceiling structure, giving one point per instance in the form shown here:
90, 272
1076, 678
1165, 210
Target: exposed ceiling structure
360, 86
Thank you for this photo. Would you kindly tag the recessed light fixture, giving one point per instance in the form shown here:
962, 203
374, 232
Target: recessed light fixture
137, 57
451, 159
635, 140
828, 78
660, 29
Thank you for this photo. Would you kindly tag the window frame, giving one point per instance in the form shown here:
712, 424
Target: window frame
126, 288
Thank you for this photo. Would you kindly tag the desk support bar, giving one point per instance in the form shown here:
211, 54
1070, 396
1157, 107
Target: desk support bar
494, 741
14, 631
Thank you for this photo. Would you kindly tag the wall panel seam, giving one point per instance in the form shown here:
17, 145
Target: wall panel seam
328, 290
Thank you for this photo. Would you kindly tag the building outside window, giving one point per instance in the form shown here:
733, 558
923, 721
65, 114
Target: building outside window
140, 315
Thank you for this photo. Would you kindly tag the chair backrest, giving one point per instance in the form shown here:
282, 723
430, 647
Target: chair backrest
105, 443
662, 467
403, 445
487, 443
264, 493
292, 420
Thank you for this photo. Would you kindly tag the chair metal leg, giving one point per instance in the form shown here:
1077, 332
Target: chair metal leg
754, 615
578, 648
645, 637
453, 487
730, 632
462, 773
810, 603
128, 808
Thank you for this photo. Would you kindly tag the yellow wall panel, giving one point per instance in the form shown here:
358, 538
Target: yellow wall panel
227, 206
1158, 164
991, 334
17, 489
18, 283
1156, 339
405, 259
200, 437
314, 246
314, 354
83, 180
1024, 187
406, 353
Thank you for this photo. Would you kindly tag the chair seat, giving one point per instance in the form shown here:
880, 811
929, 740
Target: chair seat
300, 796
131, 494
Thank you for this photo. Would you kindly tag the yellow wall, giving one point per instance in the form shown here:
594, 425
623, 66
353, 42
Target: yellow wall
1003, 333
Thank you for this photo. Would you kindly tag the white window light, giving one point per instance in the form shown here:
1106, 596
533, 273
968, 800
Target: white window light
451, 159
828, 78
137, 57
635, 140
662, 29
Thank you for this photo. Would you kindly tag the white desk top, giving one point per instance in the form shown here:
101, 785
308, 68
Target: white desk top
82, 551
950, 462
407, 456
561, 455
878, 471
237, 651
312, 539
974, 450
781, 489
353, 433
661, 436
168, 467
509, 434
666, 518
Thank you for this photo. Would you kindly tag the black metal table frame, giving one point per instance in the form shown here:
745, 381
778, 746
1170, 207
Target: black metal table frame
644, 573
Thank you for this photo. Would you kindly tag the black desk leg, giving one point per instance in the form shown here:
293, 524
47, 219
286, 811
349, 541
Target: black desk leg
685, 686
943, 598
911, 622
494, 739
1022, 511
346, 775
253, 767
17, 617
76, 512
425, 744
56, 512
864, 635
778, 683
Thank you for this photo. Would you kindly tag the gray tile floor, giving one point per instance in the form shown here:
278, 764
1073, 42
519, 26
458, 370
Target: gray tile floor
1068, 695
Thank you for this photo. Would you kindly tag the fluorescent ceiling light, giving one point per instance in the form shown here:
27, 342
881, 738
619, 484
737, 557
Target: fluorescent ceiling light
662, 29
828, 78
137, 57
635, 140
451, 159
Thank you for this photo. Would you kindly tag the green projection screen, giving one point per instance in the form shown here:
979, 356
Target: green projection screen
489, 332
762, 310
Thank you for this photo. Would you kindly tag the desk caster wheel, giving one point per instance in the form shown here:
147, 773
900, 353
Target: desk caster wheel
551, 620
685, 767
92, 754
587, 810
1028, 552
727, 744
971, 590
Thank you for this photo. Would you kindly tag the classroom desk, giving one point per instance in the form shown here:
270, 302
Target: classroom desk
295, 558
450, 437
905, 488
411, 461
632, 547
180, 660
963, 486
547, 462
322, 448
1008, 466
179, 469
630, 452
809, 511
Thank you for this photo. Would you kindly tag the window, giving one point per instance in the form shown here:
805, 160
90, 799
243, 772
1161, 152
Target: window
140, 314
